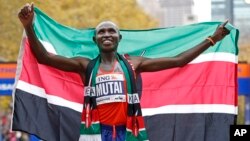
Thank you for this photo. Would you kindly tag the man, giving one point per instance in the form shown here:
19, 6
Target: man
110, 72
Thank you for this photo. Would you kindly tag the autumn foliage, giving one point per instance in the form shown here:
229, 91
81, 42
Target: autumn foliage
75, 13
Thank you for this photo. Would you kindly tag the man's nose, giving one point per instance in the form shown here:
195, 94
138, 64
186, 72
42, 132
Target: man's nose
106, 34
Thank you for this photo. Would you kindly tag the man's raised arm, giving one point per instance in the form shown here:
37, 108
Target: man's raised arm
149, 65
78, 65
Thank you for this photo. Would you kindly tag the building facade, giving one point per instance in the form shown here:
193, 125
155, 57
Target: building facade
238, 13
170, 12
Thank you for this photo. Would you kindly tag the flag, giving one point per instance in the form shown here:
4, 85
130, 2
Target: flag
195, 102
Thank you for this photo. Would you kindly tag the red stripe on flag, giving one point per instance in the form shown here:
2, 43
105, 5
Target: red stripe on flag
203, 83
55, 82
131, 121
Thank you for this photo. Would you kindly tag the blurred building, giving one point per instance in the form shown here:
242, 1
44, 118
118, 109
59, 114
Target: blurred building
222, 10
170, 12
182, 12
238, 13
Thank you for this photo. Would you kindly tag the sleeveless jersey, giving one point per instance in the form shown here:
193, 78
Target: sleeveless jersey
111, 96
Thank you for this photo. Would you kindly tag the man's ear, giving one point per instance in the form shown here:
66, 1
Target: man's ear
120, 37
94, 39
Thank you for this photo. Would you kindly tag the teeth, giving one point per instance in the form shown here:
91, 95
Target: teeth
107, 41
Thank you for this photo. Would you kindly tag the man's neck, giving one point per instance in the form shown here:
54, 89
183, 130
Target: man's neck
108, 58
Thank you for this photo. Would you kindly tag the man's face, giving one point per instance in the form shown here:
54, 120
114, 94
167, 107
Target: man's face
107, 37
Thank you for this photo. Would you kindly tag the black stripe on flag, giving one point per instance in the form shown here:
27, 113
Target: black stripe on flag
189, 127
35, 115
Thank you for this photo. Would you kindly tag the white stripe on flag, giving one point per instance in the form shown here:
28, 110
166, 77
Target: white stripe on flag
38, 91
191, 108
215, 56
94, 137
168, 109
97, 122
48, 46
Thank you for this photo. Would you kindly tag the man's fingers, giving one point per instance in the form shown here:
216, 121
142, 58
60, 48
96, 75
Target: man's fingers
224, 24
32, 6
24, 15
226, 31
26, 11
23, 12
20, 15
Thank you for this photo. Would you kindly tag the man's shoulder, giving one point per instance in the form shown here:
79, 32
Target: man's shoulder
82, 59
135, 58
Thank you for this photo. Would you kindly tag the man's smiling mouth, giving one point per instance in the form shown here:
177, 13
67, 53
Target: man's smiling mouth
107, 42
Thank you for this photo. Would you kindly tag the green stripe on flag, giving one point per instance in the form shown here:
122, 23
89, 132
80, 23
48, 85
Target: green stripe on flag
142, 136
164, 42
93, 129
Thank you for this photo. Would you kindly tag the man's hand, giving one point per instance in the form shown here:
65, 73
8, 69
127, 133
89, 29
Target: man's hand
26, 15
220, 32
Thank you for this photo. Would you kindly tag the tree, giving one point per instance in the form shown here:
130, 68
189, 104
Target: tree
244, 53
74, 13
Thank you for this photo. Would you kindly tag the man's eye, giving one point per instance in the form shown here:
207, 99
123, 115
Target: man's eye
112, 31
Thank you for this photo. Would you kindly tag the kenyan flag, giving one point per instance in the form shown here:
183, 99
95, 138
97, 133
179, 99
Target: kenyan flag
196, 102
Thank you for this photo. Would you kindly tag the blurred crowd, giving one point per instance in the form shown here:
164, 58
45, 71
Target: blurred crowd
5, 124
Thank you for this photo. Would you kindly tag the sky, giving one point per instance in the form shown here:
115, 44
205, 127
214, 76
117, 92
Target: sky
247, 1
202, 8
